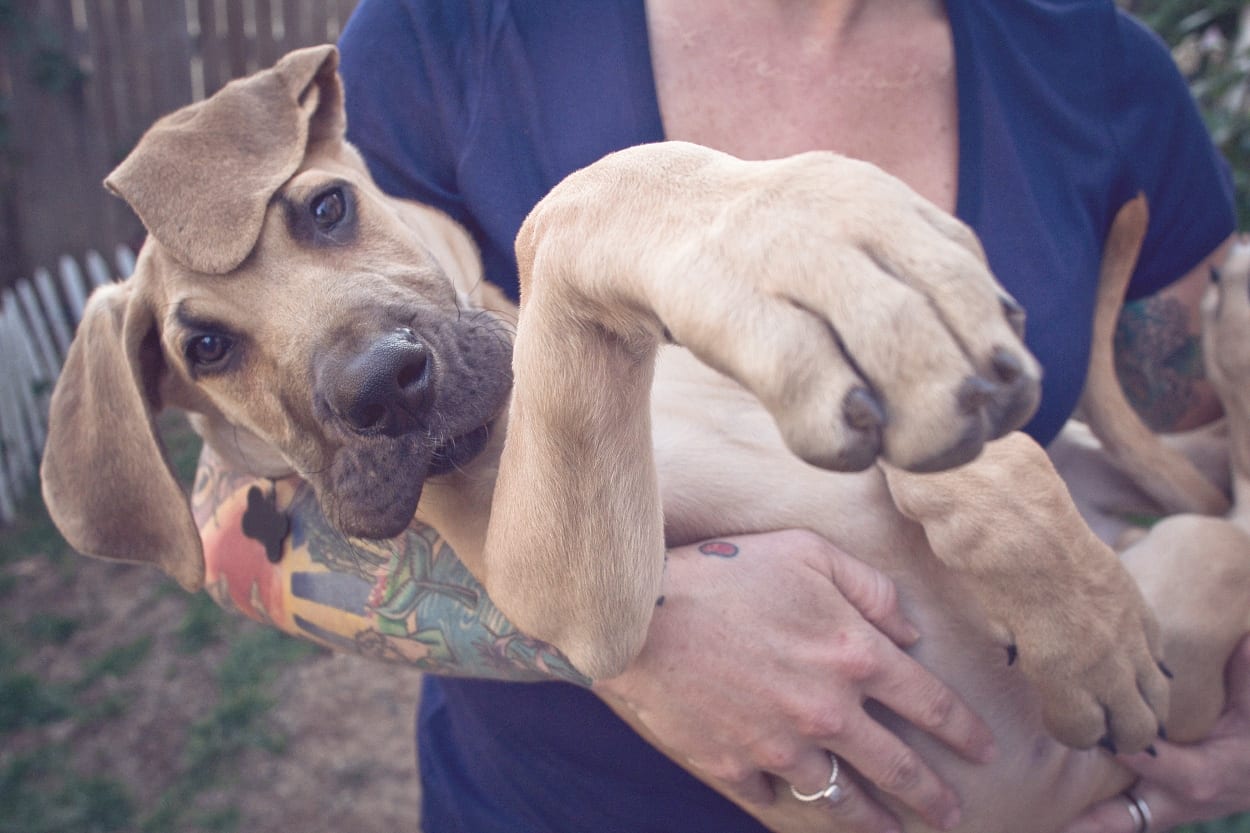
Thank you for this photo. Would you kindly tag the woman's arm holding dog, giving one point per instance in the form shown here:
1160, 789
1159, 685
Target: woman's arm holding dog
1158, 352
407, 599
410, 600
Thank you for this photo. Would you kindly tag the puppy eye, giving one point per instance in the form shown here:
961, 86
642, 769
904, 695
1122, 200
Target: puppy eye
328, 209
208, 350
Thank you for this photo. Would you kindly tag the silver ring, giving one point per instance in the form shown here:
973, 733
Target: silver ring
832, 792
1139, 811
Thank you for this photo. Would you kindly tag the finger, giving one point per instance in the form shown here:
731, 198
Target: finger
1110, 816
895, 768
753, 787
1179, 767
873, 594
855, 810
911, 692
1114, 816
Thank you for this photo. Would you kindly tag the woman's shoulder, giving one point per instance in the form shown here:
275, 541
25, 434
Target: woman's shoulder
1087, 55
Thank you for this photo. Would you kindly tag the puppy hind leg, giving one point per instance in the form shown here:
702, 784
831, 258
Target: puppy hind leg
1226, 351
1194, 572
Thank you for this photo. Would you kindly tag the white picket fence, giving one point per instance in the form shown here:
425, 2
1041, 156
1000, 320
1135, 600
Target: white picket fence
37, 320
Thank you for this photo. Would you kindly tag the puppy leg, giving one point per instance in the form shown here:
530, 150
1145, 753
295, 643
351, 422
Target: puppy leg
1194, 569
1226, 352
794, 277
1195, 572
1057, 597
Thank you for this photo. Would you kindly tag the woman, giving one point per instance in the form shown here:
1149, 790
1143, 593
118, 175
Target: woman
1032, 121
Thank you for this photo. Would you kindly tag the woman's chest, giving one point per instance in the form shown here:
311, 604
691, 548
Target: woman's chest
764, 97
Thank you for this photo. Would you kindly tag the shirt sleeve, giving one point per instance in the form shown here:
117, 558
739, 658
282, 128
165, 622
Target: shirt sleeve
407, 72
1170, 158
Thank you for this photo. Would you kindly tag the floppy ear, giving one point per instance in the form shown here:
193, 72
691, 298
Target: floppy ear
201, 177
106, 480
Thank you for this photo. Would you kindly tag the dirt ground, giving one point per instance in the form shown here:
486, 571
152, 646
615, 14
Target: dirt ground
149, 706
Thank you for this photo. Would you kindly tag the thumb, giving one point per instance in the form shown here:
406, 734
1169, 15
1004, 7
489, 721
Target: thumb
874, 595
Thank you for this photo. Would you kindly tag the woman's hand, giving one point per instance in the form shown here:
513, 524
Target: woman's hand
759, 660
1207, 780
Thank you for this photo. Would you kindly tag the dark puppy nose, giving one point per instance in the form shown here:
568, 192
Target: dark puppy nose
386, 388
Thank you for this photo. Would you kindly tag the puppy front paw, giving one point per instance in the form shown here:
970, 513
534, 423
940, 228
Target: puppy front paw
1094, 659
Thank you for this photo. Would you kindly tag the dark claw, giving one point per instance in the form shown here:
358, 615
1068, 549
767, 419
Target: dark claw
1163, 733
1215, 275
1014, 313
1107, 743
1012, 653
1167, 672
1151, 751
1005, 366
862, 411
974, 394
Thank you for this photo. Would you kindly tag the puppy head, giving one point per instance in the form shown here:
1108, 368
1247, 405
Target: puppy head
308, 323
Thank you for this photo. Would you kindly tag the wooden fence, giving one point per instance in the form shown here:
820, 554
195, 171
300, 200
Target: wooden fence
37, 319
80, 80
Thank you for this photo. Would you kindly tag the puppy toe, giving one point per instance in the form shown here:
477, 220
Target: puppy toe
1074, 717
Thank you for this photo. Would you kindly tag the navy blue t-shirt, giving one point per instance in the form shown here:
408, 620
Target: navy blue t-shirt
1067, 108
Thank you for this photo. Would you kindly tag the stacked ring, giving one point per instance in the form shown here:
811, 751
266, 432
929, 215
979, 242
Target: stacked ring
1139, 811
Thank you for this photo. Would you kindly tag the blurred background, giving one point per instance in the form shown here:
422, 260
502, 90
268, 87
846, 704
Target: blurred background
125, 704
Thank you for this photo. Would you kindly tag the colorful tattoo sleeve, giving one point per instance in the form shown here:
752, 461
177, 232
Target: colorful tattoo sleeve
272, 555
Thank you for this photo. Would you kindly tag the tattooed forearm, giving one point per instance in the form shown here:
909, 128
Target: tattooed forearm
407, 599
1159, 361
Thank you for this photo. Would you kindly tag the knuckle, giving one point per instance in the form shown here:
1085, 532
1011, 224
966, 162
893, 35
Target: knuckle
823, 724
938, 708
804, 540
901, 773
880, 599
857, 659
1204, 786
777, 758
729, 771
